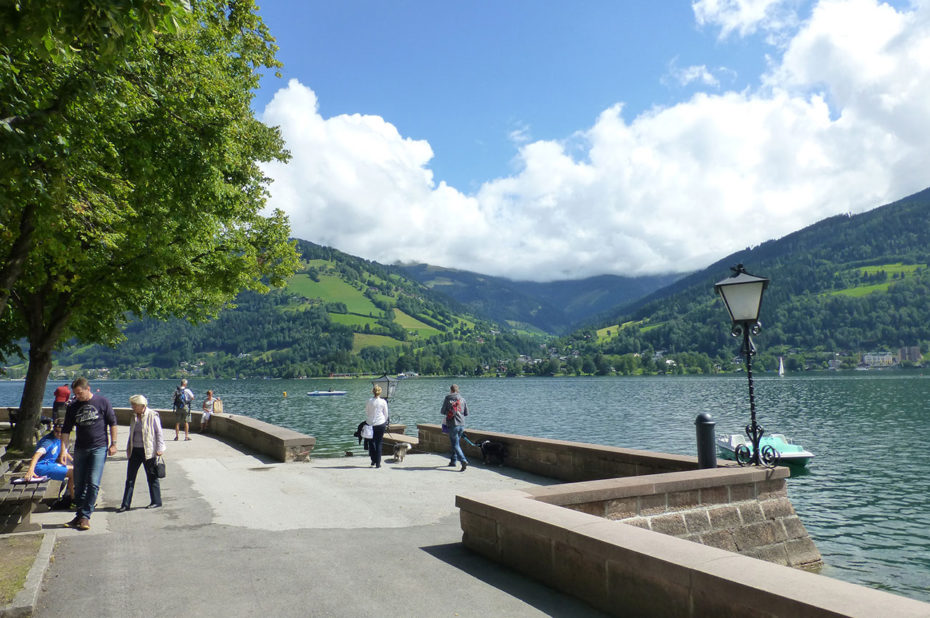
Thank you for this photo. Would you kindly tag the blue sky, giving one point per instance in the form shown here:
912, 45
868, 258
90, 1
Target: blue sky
548, 140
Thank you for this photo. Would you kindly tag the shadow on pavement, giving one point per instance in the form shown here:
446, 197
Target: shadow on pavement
543, 598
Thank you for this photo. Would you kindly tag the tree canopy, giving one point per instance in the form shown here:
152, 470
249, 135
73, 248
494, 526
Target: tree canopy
130, 177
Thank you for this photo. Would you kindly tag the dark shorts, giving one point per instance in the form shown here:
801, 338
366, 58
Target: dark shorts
182, 415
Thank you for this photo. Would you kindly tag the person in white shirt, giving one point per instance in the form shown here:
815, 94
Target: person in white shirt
376, 415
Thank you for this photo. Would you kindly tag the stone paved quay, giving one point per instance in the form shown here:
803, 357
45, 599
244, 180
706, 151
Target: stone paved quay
241, 536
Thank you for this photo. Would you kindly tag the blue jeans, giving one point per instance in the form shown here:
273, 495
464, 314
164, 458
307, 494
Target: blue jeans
88, 470
455, 434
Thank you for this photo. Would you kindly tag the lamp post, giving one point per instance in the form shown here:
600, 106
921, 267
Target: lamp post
742, 295
388, 386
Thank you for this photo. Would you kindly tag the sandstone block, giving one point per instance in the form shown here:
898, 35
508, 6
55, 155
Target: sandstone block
684, 499
770, 553
672, 524
580, 573
750, 512
754, 535
621, 508
527, 553
741, 493
803, 553
777, 508
767, 490
591, 508
794, 529
724, 517
715, 495
697, 520
639, 522
653, 504
721, 539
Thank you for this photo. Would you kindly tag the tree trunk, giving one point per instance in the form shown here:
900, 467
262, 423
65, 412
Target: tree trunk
30, 406
12, 266
45, 330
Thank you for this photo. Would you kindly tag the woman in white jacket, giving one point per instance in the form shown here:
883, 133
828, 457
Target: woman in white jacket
376, 415
146, 442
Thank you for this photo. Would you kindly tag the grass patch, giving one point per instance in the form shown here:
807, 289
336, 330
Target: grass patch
19, 552
408, 322
351, 319
892, 269
896, 272
362, 340
862, 290
332, 289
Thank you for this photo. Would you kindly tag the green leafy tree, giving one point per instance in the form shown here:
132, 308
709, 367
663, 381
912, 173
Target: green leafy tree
140, 183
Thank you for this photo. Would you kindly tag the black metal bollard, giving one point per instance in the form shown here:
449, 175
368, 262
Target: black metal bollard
706, 442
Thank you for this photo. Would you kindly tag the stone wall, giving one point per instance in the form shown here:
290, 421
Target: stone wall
743, 510
627, 570
560, 459
279, 443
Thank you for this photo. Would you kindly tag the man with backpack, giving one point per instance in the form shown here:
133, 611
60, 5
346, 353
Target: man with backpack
183, 397
454, 410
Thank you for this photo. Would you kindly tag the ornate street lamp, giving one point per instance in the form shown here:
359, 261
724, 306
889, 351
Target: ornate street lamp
388, 386
742, 294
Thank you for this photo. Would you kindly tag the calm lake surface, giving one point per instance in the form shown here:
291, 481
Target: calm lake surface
865, 499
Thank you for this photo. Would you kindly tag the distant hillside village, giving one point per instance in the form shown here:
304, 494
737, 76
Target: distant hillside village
552, 362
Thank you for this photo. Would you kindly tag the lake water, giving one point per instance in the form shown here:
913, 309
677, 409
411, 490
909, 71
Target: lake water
865, 499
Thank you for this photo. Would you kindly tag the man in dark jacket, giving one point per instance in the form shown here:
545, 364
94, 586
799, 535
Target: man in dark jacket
454, 410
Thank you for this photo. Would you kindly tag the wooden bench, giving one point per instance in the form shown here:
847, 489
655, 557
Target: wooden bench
43, 421
18, 501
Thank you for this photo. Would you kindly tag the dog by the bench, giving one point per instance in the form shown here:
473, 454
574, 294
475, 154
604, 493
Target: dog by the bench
400, 451
493, 452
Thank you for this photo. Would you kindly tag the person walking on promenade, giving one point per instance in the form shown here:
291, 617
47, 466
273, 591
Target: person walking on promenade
90, 414
62, 395
183, 397
376, 415
146, 442
52, 460
208, 404
454, 410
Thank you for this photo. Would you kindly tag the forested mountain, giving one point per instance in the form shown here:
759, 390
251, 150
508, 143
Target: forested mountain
339, 314
841, 287
552, 307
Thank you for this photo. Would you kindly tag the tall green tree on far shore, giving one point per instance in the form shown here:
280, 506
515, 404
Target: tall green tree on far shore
136, 189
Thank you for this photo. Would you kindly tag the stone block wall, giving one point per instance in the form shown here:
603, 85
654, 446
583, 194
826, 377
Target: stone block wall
749, 516
560, 459
279, 443
629, 570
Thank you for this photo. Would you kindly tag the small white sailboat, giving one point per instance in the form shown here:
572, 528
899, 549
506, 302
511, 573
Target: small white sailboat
781, 367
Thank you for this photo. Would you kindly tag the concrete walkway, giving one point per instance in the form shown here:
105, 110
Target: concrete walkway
238, 536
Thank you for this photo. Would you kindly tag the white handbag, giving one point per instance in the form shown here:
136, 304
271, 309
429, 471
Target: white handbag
367, 432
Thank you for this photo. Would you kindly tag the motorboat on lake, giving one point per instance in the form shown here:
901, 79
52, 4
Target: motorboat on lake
326, 393
788, 452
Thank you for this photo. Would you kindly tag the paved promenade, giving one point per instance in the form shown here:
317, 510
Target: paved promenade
239, 536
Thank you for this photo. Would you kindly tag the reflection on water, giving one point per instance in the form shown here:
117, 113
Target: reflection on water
864, 500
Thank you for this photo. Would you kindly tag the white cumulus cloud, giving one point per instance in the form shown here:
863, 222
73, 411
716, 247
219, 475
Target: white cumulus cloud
839, 124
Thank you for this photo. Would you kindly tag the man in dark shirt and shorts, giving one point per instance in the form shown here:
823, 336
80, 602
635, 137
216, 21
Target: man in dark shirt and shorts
89, 415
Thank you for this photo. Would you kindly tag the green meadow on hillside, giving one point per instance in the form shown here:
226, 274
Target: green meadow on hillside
892, 273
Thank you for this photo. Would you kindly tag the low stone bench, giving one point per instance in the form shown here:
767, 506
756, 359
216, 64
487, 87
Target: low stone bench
392, 439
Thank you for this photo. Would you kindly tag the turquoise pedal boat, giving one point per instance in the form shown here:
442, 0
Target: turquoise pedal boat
788, 452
